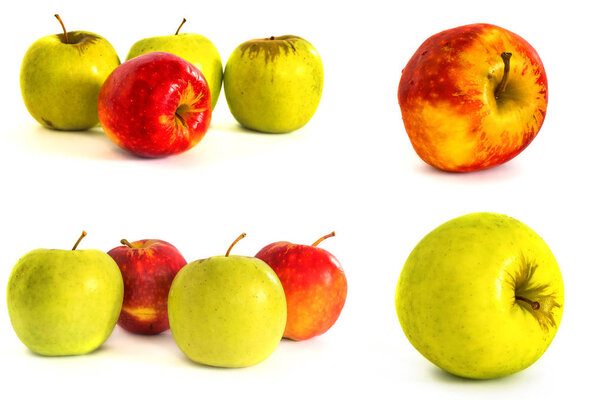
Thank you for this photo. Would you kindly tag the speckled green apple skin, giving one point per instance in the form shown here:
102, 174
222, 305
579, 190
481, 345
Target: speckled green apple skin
274, 85
193, 48
64, 302
60, 82
456, 302
227, 311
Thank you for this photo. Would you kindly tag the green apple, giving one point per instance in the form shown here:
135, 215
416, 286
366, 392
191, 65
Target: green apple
481, 296
64, 302
193, 48
61, 76
275, 84
227, 311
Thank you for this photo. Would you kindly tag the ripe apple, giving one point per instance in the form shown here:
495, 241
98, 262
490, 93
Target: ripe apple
274, 84
481, 296
192, 47
148, 268
64, 302
473, 97
227, 311
61, 76
155, 105
314, 283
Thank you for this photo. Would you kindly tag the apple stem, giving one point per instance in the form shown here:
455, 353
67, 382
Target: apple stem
83, 234
502, 86
315, 244
126, 243
181, 120
243, 235
182, 22
534, 304
63, 26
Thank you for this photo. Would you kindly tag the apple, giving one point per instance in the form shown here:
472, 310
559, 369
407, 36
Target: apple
481, 296
155, 105
192, 47
148, 267
64, 302
227, 311
274, 85
61, 76
473, 97
314, 283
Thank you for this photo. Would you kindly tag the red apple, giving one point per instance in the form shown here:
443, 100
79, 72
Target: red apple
155, 105
473, 97
148, 268
314, 283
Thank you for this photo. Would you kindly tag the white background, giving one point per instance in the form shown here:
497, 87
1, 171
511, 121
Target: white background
351, 169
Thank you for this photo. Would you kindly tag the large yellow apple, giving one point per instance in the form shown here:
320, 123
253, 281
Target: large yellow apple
473, 97
274, 85
64, 302
227, 311
481, 296
61, 76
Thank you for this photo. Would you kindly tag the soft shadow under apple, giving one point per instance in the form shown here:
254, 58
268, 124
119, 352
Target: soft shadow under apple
90, 144
501, 172
444, 377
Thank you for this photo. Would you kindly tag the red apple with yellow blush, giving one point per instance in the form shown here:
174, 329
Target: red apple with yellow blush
473, 97
148, 268
155, 105
314, 284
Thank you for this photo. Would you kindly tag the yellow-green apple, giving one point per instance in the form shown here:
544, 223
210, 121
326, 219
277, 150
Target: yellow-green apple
274, 84
192, 47
61, 76
227, 311
314, 283
155, 105
481, 296
473, 97
148, 267
64, 302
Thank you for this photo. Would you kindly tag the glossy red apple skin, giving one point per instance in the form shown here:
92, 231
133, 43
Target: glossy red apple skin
314, 283
148, 268
139, 100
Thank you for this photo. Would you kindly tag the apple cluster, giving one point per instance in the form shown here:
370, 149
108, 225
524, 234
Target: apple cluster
481, 296
227, 311
159, 102
471, 97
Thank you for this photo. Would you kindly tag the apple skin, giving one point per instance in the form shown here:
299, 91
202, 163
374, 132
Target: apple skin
314, 283
196, 49
227, 311
274, 85
448, 103
148, 268
60, 81
64, 302
457, 303
143, 102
